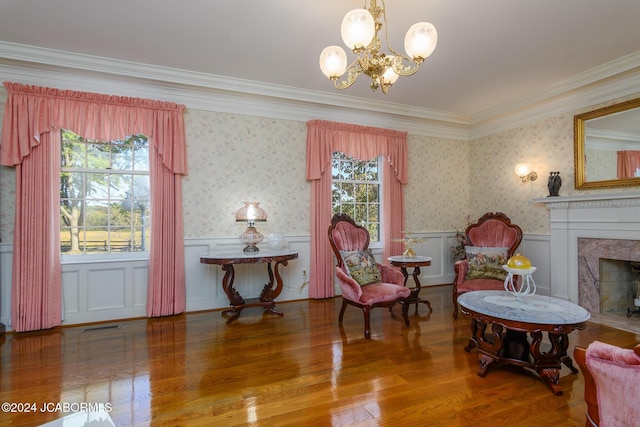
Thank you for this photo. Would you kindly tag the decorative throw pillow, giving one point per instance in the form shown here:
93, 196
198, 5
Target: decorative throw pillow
486, 262
361, 266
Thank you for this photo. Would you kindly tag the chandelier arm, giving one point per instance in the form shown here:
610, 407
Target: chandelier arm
348, 78
402, 68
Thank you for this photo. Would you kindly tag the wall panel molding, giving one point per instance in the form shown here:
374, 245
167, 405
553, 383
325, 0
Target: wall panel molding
92, 292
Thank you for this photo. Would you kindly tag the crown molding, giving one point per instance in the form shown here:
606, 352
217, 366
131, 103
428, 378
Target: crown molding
208, 92
65, 70
610, 81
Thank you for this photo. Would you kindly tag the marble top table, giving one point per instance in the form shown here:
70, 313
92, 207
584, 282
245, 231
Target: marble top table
512, 319
530, 308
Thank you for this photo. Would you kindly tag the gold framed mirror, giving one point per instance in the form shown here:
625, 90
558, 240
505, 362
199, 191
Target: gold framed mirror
607, 146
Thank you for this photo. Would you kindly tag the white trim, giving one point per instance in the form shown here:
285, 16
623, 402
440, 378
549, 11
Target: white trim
66, 70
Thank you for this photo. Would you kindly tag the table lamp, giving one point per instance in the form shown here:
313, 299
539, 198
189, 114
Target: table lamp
251, 212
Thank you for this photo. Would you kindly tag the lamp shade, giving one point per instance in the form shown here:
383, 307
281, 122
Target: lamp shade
251, 212
358, 28
389, 76
333, 61
421, 40
522, 169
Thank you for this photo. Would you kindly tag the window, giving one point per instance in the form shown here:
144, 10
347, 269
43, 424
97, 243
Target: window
356, 191
104, 195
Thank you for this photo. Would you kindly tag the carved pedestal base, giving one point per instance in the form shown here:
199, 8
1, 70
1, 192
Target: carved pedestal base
507, 346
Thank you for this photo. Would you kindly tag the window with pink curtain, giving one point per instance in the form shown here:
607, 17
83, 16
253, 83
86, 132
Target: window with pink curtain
31, 144
363, 143
628, 163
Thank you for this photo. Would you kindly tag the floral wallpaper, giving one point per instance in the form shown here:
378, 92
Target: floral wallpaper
437, 195
235, 158
547, 146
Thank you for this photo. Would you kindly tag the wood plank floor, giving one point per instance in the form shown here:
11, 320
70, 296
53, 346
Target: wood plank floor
300, 369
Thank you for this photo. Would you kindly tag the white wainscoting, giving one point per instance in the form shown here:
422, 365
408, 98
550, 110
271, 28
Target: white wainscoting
6, 258
112, 290
536, 248
105, 290
438, 246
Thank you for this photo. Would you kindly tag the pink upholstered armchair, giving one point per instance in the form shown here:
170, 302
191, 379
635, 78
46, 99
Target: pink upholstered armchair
364, 283
611, 384
492, 238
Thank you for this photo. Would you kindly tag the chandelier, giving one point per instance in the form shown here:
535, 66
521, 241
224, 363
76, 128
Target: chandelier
360, 29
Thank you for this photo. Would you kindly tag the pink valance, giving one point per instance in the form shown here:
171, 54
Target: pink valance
92, 115
361, 142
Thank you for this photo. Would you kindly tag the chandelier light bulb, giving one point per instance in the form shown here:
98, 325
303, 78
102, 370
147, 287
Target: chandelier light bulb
333, 61
420, 41
389, 77
358, 29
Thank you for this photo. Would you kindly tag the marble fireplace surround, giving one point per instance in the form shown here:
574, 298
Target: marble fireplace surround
613, 217
589, 253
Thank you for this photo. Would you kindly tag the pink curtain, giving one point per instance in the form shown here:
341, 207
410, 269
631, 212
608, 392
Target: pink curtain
30, 142
166, 293
364, 143
628, 162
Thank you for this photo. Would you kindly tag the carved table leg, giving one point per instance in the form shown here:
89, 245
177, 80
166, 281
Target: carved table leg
235, 300
416, 273
488, 349
414, 297
269, 293
474, 330
563, 345
485, 361
547, 364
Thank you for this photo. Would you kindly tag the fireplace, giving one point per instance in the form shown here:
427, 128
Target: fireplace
607, 274
609, 222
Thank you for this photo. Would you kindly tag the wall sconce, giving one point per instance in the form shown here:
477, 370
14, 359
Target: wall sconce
523, 170
251, 213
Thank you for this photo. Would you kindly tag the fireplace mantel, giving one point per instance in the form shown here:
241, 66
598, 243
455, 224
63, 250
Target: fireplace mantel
631, 198
599, 216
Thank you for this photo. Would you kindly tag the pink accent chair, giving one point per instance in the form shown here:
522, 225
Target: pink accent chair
611, 384
346, 235
492, 230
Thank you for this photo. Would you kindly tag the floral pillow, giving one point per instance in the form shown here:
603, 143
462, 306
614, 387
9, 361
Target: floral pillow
361, 266
486, 262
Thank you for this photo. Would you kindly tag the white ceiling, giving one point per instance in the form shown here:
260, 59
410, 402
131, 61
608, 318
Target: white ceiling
489, 52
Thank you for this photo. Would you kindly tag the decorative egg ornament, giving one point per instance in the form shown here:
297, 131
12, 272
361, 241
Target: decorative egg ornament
519, 261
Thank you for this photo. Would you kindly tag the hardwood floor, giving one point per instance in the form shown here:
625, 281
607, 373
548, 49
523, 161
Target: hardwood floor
300, 369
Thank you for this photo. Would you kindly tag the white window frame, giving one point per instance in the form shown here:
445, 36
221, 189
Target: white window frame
93, 257
379, 182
